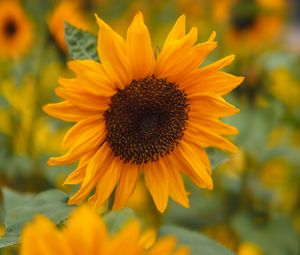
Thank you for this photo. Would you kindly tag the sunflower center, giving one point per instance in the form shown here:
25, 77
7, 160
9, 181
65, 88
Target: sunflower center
10, 28
146, 120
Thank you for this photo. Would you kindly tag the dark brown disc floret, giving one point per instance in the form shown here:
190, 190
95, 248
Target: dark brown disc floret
10, 28
146, 120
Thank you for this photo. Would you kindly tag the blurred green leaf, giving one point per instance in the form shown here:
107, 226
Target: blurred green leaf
117, 219
275, 237
20, 209
198, 243
81, 44
217, 157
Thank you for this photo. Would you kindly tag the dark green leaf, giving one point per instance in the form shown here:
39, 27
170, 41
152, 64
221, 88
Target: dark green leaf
81, 44
20, 209
198, 243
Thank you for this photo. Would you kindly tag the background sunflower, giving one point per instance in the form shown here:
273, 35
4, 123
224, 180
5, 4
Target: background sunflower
16, 31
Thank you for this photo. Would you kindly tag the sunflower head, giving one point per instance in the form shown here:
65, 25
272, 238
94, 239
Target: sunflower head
86, 233
136, 113
15, 30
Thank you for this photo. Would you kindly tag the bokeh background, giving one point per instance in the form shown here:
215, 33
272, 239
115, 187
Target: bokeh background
254, 208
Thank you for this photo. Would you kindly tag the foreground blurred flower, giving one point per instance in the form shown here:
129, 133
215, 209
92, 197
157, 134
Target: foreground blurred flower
135, 112
86, 233
69, 11
15, 30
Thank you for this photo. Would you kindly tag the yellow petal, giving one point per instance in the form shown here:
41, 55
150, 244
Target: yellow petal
139, 48
78, 174
93, 76
177, 31
157, 183
113, 54
197, 167
185, 250
197, 75
169, 55
42, 237
213, 124
94, 171
88, 133
211, 105
125, 242
128, 180
86, 231
177, 189
220, 83
66, 111
186, 62
72, 90
206, 138
163, 246
107, 182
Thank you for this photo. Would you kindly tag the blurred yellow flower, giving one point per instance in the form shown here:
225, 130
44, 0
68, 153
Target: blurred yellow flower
66, 10
252, 22
15, 30
248, 248
223, 234
20, 113
85, 233
285, 87
274, 173
137, 113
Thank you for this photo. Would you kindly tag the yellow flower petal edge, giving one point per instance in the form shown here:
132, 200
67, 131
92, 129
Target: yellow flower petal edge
136, 113
86, 233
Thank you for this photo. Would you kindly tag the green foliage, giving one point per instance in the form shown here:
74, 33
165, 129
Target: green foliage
276, 236
81, 44
116, 220
198, 243
216, 157
20, 209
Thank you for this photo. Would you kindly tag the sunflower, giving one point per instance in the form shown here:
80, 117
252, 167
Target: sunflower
69, 11
135, 113
86, 233
15, 30
255, 21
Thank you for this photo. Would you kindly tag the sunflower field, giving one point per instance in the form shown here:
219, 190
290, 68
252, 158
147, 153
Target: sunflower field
150, 127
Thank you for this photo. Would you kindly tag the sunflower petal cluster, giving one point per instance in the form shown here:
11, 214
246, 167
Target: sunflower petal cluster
139, 113
42, 237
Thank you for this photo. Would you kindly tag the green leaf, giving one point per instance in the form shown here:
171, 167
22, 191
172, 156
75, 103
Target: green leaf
117, 219
20, 209
198, 243
81, 44
216, 157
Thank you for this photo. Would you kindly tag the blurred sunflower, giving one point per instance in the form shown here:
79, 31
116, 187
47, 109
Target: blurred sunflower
250, 22
15, 30
256, 20
92, 237
135, 112
69, 11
